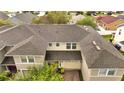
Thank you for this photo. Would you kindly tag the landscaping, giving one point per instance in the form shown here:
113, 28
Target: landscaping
107, 37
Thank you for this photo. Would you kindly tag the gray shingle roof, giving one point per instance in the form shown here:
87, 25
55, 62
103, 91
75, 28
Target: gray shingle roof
63, 55
15, 35
60, 33
33, 40
108, 56
5, 27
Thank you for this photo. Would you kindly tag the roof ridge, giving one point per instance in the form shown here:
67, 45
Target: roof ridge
20, 44
9, 29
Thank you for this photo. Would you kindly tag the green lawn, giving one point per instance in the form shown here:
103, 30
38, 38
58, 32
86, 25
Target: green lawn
107, 37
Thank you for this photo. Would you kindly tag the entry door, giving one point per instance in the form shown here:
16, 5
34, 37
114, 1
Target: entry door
12, 69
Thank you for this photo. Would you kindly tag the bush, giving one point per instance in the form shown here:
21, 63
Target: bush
122, 79
62, 70
46, 73
5, 75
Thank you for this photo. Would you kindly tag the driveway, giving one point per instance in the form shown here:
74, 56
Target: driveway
71, 75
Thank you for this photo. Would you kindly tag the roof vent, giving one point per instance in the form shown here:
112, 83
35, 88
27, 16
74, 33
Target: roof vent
98, 48
95, 44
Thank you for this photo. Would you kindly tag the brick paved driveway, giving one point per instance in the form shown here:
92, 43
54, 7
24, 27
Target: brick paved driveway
71, 75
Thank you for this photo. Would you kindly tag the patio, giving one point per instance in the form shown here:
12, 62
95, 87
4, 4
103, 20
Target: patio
71, 75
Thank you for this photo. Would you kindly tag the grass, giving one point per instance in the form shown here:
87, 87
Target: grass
122, 53
107, 37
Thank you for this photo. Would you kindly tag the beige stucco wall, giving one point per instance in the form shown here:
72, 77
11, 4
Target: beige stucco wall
39, 60
117, 77
84, 69
61, 47
71, 65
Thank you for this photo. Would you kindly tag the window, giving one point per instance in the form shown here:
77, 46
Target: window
68, 45
50, 44
106, 72
102, 72
73, 45
119, 32
23, 59
30, 59
57, 44
27, 59
111, 72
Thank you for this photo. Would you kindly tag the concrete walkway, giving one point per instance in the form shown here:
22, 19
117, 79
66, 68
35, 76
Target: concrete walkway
71, 75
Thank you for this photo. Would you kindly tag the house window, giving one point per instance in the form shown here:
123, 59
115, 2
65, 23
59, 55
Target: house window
23, 59
68, 45
73, 45
106, 72
119, 32
50, 44
57, 44
111, 72
102, 72
30, 59
27, 59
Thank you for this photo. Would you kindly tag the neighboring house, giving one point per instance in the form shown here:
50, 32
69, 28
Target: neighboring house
3, 16
119, 36
72, 47
22, 18
109, 22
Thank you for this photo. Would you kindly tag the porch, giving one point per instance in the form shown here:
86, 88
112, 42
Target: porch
68, 60
8, 64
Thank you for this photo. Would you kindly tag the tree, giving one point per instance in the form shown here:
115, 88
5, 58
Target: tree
4, 22
88, 21
53, 18
46, 73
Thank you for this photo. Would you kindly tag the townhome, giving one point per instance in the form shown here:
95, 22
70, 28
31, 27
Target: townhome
73, 47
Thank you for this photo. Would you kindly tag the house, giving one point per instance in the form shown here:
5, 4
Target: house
22, 18
73, 47
109, 22
119, 37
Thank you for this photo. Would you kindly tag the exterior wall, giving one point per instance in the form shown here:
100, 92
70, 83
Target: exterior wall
117, 77
39, 60
71, 65
2, 53
84, 69
118, 37
62, 47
